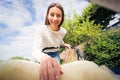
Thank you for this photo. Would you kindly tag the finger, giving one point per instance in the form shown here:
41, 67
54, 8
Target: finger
43, 72
56, 73
50, 71
56, 65
57, 70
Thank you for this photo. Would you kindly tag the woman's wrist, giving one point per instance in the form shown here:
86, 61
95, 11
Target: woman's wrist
44, 57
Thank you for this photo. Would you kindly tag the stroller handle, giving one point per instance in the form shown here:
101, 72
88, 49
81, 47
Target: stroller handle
78, 52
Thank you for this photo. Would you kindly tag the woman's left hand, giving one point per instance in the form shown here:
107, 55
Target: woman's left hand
67, 46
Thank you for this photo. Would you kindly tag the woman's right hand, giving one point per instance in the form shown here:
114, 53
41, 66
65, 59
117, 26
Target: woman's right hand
50, 69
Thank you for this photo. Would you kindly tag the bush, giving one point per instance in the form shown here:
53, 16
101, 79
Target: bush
105, 50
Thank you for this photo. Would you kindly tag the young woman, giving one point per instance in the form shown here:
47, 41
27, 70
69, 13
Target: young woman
48, 39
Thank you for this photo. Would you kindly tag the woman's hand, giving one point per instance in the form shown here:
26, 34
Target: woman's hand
50, 69
67, 46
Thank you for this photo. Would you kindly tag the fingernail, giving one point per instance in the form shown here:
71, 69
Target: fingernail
57, 77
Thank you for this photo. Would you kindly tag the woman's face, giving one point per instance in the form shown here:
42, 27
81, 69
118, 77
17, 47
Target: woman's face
55, 16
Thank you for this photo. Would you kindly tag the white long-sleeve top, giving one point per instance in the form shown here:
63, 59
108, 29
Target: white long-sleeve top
46, 37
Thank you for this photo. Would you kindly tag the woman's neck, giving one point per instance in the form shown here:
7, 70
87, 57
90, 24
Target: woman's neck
54, 28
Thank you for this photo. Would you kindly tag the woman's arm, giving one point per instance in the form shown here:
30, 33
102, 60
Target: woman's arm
65, 45
38, 45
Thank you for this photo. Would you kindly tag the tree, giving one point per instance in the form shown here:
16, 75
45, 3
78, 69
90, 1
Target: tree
80, 30
99, 14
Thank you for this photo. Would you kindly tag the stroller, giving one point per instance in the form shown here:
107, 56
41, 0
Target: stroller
70, 55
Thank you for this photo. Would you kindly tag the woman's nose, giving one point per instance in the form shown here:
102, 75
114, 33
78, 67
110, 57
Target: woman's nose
55, 18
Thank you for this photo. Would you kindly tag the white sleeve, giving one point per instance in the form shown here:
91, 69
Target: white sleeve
37, 46
64, 32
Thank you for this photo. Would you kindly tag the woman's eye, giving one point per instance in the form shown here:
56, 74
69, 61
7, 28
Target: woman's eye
58, 15
52, 14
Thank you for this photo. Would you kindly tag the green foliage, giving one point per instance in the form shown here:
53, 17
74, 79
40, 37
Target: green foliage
80, 31
99, 14
102, 47
19, 58
105, 49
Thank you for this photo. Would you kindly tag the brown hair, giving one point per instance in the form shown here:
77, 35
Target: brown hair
59, 7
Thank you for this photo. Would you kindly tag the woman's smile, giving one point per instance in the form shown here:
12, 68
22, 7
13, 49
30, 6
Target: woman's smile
55, 16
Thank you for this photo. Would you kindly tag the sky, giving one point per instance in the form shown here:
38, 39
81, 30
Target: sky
18, 20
